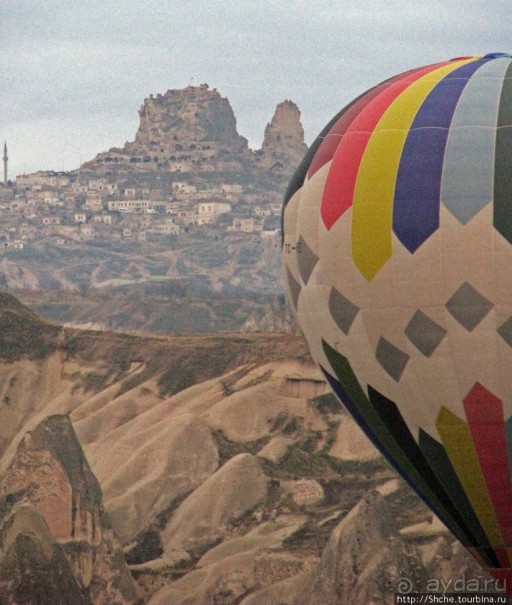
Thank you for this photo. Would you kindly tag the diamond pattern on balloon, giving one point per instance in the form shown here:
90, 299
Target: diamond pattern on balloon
294, 288
306, 259
343, 311
468, 306
505, 331
392, 359
424, 333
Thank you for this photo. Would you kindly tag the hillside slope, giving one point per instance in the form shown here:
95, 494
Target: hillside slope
221, 465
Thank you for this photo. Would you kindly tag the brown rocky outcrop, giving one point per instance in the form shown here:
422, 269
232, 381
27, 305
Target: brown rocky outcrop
194, 130
362, 555
183, 130
52, 524
181, 117
366, 562
283, 144
33, 567
50, 467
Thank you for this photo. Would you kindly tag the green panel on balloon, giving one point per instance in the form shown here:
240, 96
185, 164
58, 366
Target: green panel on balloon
389, 435
503, 161
438, 459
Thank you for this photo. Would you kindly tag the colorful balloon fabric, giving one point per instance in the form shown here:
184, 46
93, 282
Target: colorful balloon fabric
397, 251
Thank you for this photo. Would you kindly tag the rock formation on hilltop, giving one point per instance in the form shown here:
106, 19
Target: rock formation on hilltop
193, 130
184, 130
180, 118
283, 144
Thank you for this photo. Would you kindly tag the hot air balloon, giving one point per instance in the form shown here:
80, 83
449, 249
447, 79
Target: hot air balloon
397, 252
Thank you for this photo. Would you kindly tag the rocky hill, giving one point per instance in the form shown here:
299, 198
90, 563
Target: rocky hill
283, 143
193, 131
220, 465
57, 542
184, 207
179, 119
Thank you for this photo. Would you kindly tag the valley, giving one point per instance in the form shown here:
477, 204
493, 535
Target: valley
194, 470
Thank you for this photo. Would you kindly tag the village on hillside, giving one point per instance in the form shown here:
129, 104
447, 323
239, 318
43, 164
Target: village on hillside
187, 168
68, 208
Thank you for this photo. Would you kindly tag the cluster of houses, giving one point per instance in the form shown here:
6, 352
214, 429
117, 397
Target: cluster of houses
68, 208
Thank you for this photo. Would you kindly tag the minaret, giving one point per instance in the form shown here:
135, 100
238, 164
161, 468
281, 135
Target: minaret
5, 164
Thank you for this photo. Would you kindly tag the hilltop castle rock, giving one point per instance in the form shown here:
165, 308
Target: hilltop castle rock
193, 130
194, 113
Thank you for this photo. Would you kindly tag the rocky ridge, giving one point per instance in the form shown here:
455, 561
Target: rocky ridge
219, 464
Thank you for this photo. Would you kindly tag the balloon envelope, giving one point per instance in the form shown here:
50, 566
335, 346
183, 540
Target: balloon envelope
397, 251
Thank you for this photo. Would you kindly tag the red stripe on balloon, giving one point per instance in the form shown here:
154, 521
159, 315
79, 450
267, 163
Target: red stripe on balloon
484, 412
331, 141
341, 180
502, 556
328, 147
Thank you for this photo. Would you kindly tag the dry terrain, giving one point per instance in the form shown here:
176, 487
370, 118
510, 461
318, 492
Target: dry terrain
193, 470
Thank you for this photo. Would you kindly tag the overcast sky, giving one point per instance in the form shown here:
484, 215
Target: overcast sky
74, 74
